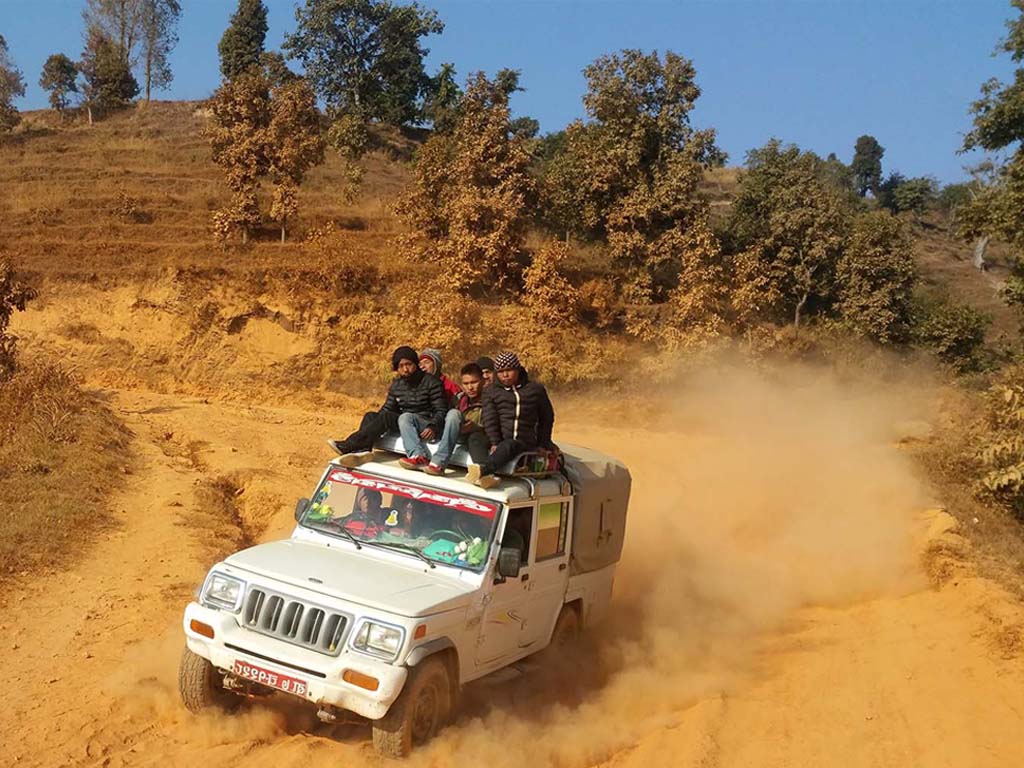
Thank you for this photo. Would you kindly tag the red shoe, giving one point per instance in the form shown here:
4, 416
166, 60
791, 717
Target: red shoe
414, 462
434, 469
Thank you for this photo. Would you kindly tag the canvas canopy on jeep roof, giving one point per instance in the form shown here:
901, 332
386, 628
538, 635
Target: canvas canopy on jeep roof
600, 483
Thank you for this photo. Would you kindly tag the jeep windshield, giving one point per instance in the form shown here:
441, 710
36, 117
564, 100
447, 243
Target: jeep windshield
436, 525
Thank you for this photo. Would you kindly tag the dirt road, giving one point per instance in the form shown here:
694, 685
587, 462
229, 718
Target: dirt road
770, 611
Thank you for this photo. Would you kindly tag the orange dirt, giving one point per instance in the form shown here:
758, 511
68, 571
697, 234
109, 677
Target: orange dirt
772, 607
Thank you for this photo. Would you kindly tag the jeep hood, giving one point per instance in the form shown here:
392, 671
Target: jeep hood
407, 590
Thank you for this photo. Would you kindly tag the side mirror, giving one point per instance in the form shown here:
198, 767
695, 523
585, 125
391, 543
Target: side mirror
300, 508
509, 562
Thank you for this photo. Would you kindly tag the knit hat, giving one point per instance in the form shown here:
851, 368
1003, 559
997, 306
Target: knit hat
506, 361
435, 355
403, 353
485, 363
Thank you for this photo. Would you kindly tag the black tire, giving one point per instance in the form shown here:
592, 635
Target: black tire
422, 709
201, 685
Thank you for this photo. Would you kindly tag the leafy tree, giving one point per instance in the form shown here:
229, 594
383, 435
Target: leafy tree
552, 299
158, 21
787, 229
1001, 453
261, 129
365, 57
998, 121
294, 145
12, 86
952, 196
14, 295
875, 278
525, 127
630, 175
276, 69
58, 77
442, 98
955, 332
241, 113
998, 209
867, 164
469, 204
838, 174
109, 83
886, 193
915, 195
241, 44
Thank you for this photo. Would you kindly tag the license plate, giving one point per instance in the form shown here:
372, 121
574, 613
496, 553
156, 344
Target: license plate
266, 677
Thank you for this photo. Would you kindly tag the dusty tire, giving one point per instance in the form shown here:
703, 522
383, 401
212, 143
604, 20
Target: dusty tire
563, 636
199, 684
421, 710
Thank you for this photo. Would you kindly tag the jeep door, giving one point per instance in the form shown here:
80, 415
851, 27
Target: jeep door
549, 569
506, 610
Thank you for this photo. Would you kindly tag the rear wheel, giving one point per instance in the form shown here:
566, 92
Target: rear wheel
201, 685
564, 635
421, 710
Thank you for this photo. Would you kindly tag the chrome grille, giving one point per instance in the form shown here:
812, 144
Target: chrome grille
294, 621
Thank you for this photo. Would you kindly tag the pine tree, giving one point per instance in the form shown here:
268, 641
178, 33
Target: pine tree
241, 45
867, 165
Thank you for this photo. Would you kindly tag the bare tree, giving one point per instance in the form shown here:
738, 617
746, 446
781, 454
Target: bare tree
119, 20
158, 23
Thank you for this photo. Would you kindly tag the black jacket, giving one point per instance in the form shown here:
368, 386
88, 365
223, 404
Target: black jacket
523, 412
421, 394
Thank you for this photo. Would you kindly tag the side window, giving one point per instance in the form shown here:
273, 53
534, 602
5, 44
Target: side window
518, 528
551, 527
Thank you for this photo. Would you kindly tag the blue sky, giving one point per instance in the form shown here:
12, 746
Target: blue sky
816, 73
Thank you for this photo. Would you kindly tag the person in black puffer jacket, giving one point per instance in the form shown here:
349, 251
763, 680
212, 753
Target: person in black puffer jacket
517, 416
413, 395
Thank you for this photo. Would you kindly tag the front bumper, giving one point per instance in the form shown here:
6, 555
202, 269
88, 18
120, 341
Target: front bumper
322, 674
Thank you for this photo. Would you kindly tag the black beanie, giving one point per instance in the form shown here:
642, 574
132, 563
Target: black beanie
486, 363
403, 353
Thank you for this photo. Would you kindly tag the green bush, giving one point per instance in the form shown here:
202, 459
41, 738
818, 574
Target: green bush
955, 332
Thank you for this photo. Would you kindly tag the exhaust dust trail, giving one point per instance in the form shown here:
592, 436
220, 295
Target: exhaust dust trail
752, 498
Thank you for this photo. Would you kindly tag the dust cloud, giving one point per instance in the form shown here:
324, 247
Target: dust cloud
753, 497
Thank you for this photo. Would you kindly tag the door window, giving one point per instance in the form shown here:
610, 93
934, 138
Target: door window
552, 523
518, 528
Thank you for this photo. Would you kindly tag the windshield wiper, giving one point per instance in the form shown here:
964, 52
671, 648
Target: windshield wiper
404, 548
336, 528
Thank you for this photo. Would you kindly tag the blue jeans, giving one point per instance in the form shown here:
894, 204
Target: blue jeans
453, 421
409, 427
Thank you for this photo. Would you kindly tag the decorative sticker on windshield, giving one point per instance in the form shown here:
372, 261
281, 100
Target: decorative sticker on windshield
432, 496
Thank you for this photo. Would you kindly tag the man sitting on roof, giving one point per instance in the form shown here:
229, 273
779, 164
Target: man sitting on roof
517, 416
463, 422
430, 362
415, 401
487, 369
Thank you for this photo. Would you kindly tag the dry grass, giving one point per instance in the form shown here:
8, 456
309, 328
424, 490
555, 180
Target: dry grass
65, 209
62, 453
948, 459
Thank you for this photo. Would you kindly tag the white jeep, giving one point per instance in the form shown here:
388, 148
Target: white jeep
397, 588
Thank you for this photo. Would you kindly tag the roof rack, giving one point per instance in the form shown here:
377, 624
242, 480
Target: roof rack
527, 464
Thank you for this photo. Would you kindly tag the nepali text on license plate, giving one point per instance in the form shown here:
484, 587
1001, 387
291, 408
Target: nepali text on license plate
273, 679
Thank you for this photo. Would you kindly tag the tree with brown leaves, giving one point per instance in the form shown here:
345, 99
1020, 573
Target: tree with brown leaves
470, 202
259, 130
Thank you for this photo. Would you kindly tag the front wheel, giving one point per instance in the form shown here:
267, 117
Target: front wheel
421, 710
201, 685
